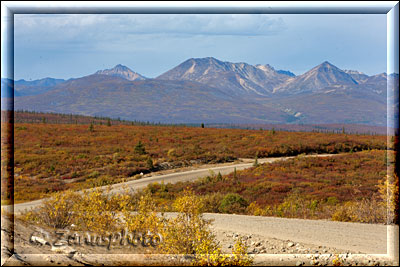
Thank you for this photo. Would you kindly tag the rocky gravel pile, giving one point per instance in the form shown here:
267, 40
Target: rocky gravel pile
266, 252
261, 245
271, 251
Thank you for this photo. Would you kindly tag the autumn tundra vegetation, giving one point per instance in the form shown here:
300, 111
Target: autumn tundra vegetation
56, 160
348, 187
51, 157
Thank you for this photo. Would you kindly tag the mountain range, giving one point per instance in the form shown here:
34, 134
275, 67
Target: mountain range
213, 91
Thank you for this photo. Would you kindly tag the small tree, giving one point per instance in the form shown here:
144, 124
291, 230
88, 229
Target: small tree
140, 149
219, 177
91, 128
202, 125
108, 122
255, 164
149, 163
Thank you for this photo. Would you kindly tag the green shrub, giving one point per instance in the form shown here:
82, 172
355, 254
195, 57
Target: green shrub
140, 149
149, 163
233, 203
94, 174
212, 202
332, 201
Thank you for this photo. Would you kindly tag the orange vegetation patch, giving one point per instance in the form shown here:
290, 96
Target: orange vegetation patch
54, 157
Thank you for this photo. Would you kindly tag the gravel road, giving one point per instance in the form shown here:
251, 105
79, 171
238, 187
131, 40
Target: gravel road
171, 178
354, 237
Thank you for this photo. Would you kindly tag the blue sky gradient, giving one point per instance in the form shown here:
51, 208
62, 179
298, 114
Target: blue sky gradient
67, 46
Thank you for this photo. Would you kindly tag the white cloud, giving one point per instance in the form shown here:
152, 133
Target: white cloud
100, 25
152, 44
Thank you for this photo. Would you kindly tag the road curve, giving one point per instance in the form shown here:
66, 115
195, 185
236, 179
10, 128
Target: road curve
170, 178
355, 237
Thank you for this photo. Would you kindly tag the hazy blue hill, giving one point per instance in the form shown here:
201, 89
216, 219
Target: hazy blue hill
35, 87
208, 90
153, 100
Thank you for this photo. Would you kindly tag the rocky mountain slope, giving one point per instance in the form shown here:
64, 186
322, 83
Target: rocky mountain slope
123, 72
358, 76
234, 78
314, 80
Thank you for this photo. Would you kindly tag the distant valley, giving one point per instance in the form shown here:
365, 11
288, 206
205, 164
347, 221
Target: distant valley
207, 90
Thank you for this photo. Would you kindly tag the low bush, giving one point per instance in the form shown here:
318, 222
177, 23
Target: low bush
144, 218
188, 233
188, 230
57, 211
212, 202
94, 212
233, 203
364, 211
90, 211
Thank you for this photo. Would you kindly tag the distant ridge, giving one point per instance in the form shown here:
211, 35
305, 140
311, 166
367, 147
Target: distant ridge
57, 118
208, 90
27, 88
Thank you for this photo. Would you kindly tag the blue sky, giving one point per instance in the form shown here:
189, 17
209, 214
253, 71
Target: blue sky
66, 46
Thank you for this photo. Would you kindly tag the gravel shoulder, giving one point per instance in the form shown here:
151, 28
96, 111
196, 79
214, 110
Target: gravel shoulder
341, 236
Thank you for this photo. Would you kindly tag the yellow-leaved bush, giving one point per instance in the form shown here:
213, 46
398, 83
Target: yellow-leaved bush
56, 211
142, 218
89, 211
187, 233
209, 255
364, 210
94, 212
239, 254
383, 208
389, 192
188, 229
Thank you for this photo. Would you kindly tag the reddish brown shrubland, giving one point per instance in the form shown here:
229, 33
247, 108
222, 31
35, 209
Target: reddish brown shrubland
343, 187
53, 157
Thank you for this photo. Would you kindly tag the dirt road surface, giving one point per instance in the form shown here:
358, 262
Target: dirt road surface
351, 237
172, 178
354, 237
